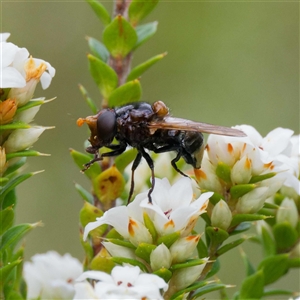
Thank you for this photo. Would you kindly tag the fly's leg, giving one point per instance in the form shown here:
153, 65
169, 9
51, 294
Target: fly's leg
133, 168
173, 163
151, 166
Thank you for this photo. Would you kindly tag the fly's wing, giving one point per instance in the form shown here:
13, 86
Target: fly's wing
187, 125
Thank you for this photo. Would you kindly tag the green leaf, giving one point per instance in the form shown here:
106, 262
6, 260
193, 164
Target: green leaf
126, 93
88, 214
13, 183
3, 180
209, 288
138, 10
223, 171
119, 37
6, 269
150, 226
14, 125
187, 264
124, 159
144, 251
104, 76
215, 269
13, 295
285, 235
249, 267
88, 100
202, 249
294, 262
230, 246
25, 153
100, 11
244, 226
122, 243
168, 239
269, 293
98, 49
145, 32
239, 218
80, 159
6, 219
274, 267
140, 69
15, 166
253, 286
217, 236
191, 288
32, 103
133, 262
14, 234
164, 273
10, 199
240, 190
87, 196
267, 241
259, 178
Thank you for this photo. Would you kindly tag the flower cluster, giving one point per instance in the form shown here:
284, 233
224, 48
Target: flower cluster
158, 237
20, 74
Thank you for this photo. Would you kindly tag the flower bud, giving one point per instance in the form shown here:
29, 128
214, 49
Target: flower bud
138, 233
183, 248
287, 212
3, 163
252, 201
221, 215
27, 115
241, 171
160, 257
21, 139
7, 111
119, 251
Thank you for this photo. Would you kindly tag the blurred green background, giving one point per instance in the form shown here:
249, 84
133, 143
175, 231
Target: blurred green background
228, 63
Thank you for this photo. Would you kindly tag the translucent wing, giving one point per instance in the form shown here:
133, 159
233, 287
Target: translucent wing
187, 125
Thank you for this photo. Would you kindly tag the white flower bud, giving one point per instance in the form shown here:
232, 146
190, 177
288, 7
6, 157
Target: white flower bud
241, 171
160, 257
21, 139
119, 251
3, 163
27, 115
138, 232
183, 248
287, 212
221, 215
252, 201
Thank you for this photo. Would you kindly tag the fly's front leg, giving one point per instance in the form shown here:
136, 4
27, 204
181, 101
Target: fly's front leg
133, 168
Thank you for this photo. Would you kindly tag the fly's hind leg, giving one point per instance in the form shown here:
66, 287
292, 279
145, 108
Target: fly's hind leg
133, 168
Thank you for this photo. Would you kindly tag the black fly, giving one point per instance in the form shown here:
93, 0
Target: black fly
145, 126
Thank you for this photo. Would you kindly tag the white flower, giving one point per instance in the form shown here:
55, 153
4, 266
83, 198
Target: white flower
51, 276
21, 73
173, 207
124, 283
287, 212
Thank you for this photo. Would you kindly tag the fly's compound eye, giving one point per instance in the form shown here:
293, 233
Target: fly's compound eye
106, 125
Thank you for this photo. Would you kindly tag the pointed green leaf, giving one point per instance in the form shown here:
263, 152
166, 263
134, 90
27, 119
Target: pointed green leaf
14, 234
87, 196
268, 242
259, 178
88, 100
6, 269
274, 267
244, 226
202, 249
6, 219
253, 286
214, 270
208, 289
138, 10
3, 180
119, 37
249, 267
144, 33
88, 214
164, 273
223, 171
240, 190
285, 236
100, 11
122, 243
239, 218
140, 69
104, 76
269, 293
98, 49
230, 246
102, 263
13, 183
217, 235
30, 104
13, 295
187, 264
15, 166
144, 251
80, 159
133, 262
168, 239
25, 153
150, 226
294, 262
14, 125
124, 159
126, 93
